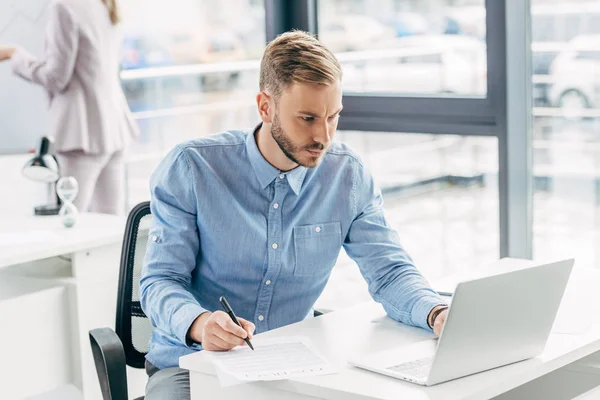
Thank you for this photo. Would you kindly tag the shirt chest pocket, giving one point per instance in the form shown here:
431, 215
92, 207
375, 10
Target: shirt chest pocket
316, 248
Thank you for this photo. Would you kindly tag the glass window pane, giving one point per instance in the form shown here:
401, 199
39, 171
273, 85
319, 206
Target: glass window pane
566, 143
440, 195
189, 69
432, 47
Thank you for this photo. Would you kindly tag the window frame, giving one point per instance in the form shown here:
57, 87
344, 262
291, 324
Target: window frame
505, 112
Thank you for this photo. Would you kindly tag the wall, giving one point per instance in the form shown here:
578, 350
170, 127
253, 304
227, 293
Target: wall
18, 195
22, 22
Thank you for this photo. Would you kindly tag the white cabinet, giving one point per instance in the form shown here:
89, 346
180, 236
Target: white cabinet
35, 337
51, 294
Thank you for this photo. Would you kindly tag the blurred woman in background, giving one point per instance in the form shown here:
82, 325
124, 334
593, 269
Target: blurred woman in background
90, 119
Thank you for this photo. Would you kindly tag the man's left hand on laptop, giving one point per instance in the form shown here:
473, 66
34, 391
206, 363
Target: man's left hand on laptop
440, 319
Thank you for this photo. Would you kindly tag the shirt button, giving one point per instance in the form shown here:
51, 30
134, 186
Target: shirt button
274, 246
276, 206
154, 238
318, 229
281, 176
260, 318
268, 282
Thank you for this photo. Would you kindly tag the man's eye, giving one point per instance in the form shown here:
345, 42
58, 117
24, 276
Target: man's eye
308, 119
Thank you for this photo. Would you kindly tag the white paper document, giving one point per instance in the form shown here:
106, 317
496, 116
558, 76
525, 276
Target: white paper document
272, 359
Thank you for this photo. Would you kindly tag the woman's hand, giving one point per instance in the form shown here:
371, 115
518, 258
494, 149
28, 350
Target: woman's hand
6, 52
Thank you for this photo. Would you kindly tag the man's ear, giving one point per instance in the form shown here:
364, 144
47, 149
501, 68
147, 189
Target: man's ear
265, 109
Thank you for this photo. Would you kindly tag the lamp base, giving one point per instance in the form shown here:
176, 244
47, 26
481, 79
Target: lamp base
48, 209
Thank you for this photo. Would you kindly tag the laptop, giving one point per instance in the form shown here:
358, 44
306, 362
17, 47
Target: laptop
492, 321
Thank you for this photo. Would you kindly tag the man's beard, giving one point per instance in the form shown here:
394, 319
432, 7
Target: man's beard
289, 148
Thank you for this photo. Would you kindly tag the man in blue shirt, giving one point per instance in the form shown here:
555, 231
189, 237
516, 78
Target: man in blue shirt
260, 216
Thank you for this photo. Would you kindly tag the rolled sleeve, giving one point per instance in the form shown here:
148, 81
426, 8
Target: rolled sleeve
183, 319
422, 308
19, 60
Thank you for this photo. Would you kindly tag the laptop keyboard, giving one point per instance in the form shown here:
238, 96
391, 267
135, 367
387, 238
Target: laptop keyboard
417, 368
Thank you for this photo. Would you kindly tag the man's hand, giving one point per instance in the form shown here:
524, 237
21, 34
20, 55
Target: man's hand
6, 52
440, 320
216, 331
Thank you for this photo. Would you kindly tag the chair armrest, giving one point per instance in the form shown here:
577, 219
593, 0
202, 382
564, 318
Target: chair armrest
109, 358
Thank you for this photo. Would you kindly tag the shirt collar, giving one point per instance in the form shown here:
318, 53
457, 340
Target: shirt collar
265, 172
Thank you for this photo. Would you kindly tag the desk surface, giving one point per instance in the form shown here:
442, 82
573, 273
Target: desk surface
91, 231
365, 329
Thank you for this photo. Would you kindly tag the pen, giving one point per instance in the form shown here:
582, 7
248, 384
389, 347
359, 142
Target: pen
449, 294
229, 311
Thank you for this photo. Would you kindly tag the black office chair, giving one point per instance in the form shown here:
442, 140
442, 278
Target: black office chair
129, 345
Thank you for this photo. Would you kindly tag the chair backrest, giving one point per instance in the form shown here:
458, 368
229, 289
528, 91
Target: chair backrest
132, 326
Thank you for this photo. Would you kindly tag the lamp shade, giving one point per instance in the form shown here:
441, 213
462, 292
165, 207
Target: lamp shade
43, 166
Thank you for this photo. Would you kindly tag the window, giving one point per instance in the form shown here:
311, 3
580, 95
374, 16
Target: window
424, 59
397, 46
542, 27
594, 24
566, 145
589, 55
411, 72
441, 196
428, 74
189, 69
572, 25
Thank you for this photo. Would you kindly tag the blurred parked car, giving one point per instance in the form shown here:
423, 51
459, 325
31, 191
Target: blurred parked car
425, 64
553, 25
576, 74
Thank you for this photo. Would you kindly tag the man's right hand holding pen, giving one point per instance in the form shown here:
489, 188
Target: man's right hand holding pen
216, 331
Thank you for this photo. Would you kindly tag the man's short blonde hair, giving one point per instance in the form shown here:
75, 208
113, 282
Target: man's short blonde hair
297, 56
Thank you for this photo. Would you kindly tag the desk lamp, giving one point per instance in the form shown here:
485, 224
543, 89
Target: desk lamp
43, 167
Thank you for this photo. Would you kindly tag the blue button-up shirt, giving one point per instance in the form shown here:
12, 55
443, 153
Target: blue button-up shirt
228, 223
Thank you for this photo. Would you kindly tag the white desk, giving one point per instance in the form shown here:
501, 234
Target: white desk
365, 329
73, 280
